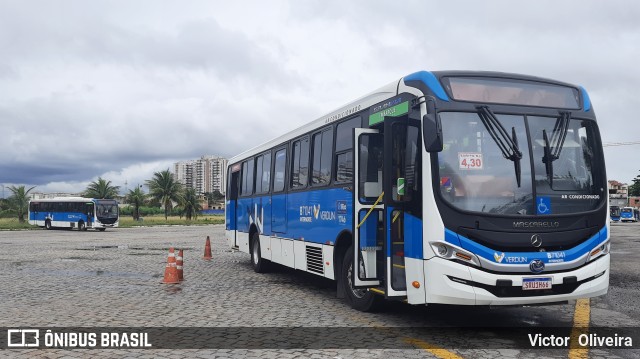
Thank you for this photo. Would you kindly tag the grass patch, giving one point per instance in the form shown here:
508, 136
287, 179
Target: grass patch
128, 222
13, 224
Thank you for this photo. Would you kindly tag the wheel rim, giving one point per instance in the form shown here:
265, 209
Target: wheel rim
358, 293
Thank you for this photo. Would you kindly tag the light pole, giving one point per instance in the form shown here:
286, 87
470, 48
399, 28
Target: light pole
2, 190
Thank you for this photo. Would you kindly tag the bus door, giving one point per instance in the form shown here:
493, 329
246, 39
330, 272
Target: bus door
368, 209
232, 204
387, 203
402, 198
90, 211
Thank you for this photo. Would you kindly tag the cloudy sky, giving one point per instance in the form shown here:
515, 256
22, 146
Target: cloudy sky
121, 89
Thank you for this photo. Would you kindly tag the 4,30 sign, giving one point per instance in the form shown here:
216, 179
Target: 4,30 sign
470, 160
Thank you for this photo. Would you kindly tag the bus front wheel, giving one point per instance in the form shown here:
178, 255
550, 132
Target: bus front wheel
82, 226
358, 298
260, 265
47, 224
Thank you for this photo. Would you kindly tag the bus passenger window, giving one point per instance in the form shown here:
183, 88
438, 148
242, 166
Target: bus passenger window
279, 168
300, 165
247, 178
344, 149
322, 146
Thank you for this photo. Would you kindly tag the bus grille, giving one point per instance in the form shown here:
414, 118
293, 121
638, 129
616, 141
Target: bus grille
314, 260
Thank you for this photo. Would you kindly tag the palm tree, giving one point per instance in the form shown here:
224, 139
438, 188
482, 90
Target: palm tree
190, 204
165, 189
136, 197
101, 189
19, 201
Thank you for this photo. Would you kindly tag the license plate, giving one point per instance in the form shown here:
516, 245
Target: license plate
536, 283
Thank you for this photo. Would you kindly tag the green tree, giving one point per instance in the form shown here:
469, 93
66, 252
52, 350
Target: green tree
101, 189
213, 197
136, 197
634, 189
190, 204
164, 188
19, 201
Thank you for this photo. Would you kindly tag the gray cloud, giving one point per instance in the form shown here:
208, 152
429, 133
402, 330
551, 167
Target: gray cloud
123, 89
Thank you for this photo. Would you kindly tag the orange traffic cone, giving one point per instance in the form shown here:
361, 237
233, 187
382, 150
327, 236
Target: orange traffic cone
171, 271
207, 249
179, 265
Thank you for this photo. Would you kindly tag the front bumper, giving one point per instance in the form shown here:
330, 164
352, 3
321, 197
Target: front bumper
448, 282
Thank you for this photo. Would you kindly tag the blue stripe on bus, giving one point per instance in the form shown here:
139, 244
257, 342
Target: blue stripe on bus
586, 100
58, 216
604, 233
526, 257
430, 80
413, 237
317, 216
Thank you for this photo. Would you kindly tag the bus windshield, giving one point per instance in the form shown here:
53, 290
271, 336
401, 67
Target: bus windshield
476, 175
106, 211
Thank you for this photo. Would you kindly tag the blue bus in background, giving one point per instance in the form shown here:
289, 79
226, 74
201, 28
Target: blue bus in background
627, 215
74, 212
614, 213
469, 188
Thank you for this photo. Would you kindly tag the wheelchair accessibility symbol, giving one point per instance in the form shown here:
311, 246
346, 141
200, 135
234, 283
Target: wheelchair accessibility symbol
544, 205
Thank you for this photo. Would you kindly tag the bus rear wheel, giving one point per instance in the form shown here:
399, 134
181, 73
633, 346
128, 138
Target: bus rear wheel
358, 298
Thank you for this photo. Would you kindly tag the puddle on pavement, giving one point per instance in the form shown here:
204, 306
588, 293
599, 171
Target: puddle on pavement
172, 288
126, 246
97, 273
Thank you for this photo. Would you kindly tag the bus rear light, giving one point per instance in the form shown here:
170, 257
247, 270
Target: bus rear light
415, 284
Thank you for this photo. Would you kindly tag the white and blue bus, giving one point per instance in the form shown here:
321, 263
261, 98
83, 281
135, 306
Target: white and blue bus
472, 188
74, 212
627, 214
614, 213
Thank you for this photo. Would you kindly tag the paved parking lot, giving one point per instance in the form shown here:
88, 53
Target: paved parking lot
113, 279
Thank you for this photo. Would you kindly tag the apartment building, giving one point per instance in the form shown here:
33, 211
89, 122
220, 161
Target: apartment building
207, 174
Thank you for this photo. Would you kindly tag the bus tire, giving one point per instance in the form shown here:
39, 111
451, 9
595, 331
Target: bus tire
101, 229
260, 265
47, 224
82, 226
358, 298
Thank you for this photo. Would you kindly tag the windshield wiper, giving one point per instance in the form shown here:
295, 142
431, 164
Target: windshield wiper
508, 145
553, 148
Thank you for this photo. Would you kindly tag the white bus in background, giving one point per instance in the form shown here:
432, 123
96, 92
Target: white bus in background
74, 212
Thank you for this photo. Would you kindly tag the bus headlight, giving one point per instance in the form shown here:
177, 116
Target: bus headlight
451, 252
441, 249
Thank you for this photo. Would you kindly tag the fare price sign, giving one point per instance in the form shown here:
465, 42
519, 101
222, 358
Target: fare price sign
470, 161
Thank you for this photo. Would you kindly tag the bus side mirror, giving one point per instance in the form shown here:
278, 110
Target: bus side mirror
432, 129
